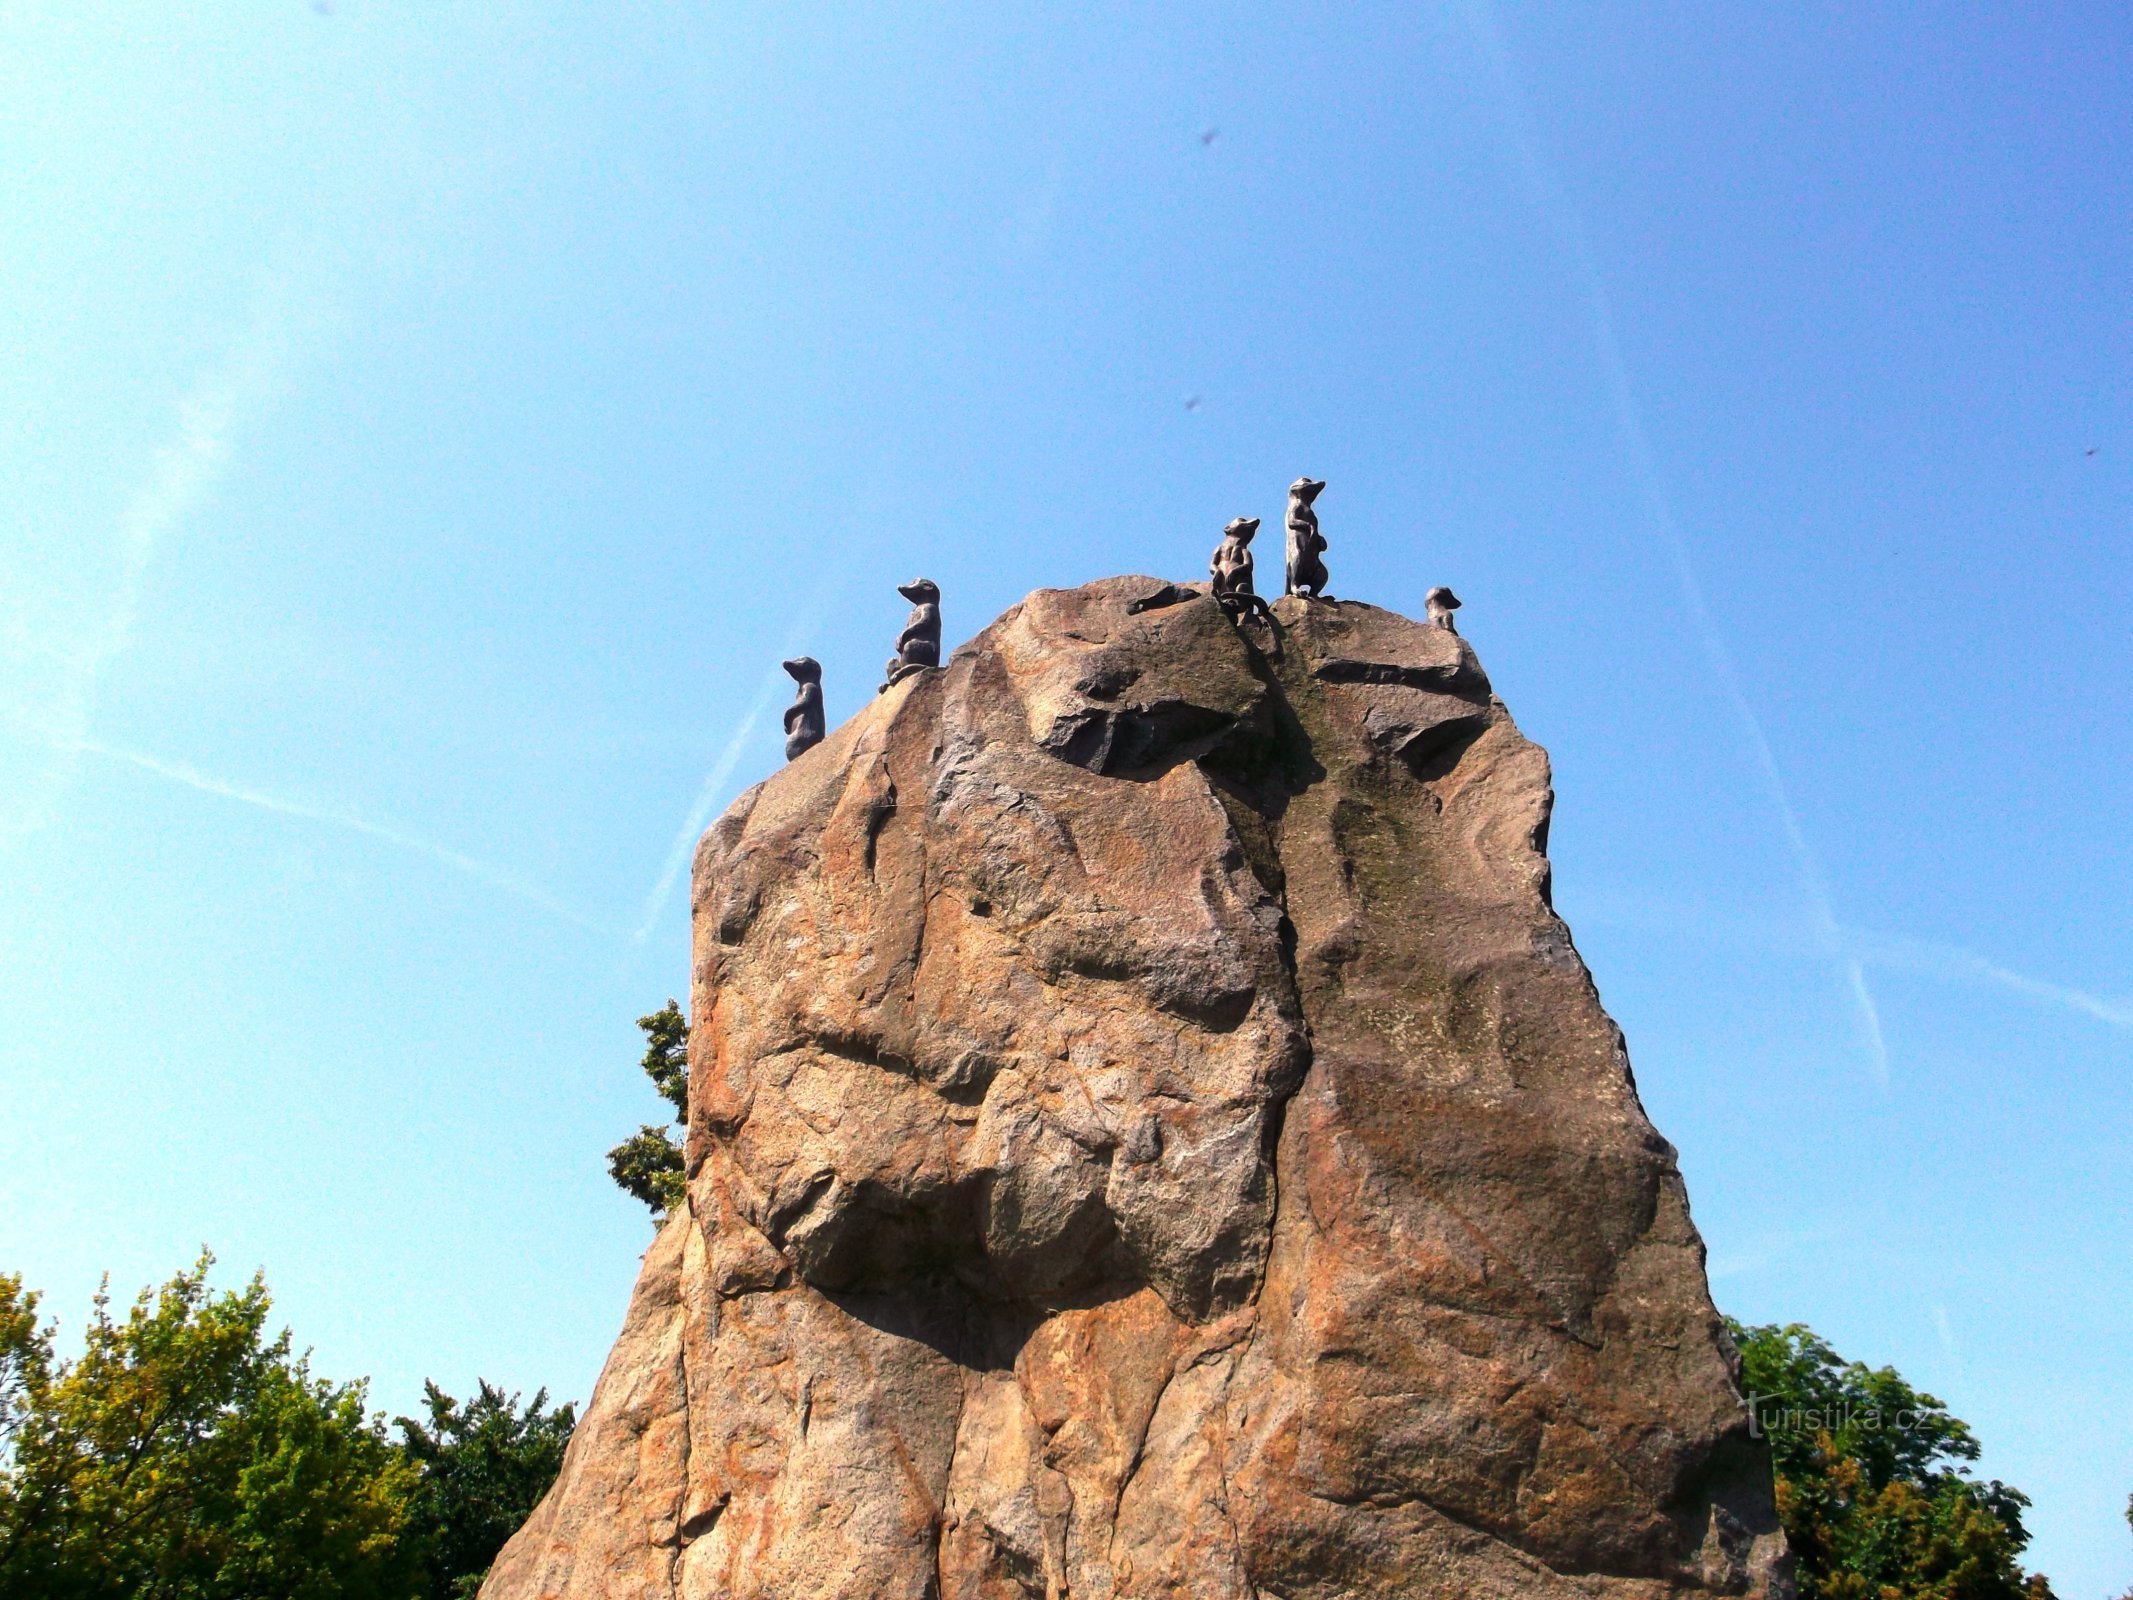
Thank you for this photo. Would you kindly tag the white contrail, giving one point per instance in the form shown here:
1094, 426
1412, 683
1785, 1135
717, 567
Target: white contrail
1956, 964
1888, 952
1563, 220
179, 772
179, 477
714, 784
699, 816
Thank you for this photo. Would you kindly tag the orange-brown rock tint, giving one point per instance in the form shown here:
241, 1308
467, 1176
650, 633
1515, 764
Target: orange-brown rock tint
1150, 1135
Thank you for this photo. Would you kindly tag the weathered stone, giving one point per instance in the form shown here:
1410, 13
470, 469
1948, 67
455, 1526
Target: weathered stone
1151, 1136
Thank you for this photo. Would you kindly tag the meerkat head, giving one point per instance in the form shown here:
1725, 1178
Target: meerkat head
804, 669
1306, 489
1441, 599
1241, 529
920, 591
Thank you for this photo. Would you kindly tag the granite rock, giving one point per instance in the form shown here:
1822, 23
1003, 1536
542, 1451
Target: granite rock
1150, 1135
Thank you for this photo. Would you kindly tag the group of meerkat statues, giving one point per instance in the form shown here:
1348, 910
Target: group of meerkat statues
1304, 573
1305, 570
919, 645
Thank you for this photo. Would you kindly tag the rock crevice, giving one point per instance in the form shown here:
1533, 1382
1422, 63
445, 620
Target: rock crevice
1150, 1135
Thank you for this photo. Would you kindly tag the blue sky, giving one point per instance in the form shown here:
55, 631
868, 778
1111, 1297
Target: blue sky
423, 430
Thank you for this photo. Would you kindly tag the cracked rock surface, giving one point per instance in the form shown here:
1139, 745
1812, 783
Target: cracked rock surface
1151, 1136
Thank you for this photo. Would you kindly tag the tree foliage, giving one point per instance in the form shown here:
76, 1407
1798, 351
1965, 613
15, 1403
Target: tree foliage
485, 1465
648, 1164
1873, 1482
186, 1456
666, 1056
25, 1362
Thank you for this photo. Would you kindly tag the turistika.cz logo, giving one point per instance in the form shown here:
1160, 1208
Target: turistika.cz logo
1776, 1413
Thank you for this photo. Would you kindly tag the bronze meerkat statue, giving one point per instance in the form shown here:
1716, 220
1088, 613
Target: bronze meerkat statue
1306, 572
919, 645
1231, 570
804, 722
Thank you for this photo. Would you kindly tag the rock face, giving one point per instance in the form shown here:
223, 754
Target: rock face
1150, 1136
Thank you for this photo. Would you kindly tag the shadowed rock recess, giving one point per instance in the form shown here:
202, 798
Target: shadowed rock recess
1150, 1136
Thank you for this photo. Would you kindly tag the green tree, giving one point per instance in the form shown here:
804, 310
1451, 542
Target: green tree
1873, 1482
485, 1466
186, 1456
25, 1362
648, 1164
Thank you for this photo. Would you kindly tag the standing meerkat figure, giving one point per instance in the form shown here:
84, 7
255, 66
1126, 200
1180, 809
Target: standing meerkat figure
1441, 603
1307, 573
804, 722
1231, 569
919, 645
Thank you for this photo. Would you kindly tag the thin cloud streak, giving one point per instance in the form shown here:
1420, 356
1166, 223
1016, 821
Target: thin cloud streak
699, 816
190, 777
180, 476
714, 784
1956, 964
1863, 947
1569, 229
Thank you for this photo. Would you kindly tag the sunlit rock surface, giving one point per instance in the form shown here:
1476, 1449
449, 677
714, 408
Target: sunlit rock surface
1151, 1136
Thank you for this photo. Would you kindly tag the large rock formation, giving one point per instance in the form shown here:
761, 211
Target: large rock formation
1151, 1136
